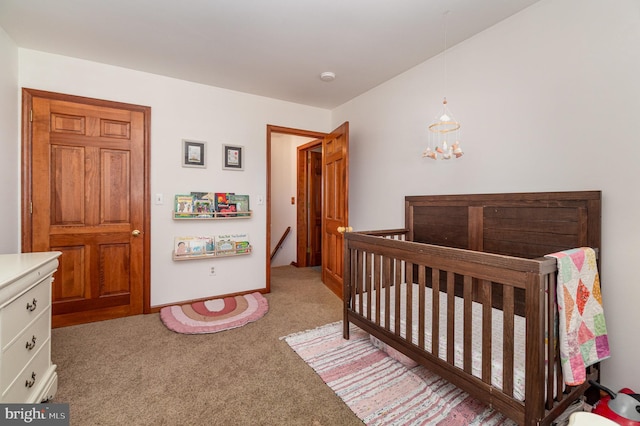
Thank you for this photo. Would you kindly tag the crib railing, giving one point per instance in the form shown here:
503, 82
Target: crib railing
378, 263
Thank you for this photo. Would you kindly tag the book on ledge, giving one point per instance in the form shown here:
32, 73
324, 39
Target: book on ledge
183, 206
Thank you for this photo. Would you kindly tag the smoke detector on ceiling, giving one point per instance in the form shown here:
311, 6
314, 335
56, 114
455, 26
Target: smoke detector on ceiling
328, 76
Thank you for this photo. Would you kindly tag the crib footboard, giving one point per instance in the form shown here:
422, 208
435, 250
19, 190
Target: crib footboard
478, 320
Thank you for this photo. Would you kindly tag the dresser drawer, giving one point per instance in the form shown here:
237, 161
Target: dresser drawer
20, 352
19, 313
30, 379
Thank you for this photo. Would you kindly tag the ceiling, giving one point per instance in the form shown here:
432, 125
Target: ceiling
272, 48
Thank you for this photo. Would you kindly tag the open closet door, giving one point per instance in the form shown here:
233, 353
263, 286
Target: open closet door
335, 172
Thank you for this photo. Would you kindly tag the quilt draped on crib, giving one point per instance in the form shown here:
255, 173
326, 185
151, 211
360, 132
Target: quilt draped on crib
582, 332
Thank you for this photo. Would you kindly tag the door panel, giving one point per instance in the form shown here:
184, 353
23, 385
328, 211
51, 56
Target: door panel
89, 191
335, 173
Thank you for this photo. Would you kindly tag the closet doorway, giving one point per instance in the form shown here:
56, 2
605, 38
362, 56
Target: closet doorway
321, 200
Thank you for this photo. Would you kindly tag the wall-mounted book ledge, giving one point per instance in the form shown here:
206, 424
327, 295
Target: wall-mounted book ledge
212, 215
211, 205
207, 247
214, 255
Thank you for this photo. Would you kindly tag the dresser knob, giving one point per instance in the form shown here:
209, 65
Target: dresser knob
31, 343
31, 382
32, 306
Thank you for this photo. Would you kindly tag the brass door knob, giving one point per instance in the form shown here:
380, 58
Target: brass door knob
135, 232
343, 229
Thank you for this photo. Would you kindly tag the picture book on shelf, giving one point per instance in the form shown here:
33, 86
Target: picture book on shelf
203, 208
222, 200
241, 202
241, 243
222, 205
184, 205
225, 244
193, 246
204, 196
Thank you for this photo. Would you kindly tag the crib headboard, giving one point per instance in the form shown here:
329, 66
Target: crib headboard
527, 225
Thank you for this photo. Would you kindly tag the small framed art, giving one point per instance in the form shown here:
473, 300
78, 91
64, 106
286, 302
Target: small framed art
232, 157
193, 153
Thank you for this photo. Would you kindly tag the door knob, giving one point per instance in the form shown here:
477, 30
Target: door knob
343, 229
135, 233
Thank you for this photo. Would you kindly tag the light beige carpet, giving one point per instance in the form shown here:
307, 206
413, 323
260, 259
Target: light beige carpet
134, 371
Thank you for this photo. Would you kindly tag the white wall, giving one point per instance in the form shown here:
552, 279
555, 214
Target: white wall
549, 100
180, 110
9, 146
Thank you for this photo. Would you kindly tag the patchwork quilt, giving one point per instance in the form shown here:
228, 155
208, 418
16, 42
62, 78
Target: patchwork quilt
582, 333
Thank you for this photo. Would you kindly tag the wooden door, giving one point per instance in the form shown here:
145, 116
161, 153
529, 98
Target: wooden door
89, 200
309, 209
335, 175
315, 208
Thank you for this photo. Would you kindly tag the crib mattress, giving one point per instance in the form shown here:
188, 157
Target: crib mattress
496, 332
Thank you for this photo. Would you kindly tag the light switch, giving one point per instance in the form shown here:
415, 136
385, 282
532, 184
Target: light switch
159, 198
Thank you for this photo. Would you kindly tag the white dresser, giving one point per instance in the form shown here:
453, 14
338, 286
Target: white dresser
26, 372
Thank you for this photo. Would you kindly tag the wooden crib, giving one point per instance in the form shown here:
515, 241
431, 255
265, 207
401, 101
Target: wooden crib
487, 252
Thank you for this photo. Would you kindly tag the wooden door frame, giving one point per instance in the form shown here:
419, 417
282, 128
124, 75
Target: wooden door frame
26, 175
302, 208
287, 131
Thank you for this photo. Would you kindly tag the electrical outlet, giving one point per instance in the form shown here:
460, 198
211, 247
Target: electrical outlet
212, 271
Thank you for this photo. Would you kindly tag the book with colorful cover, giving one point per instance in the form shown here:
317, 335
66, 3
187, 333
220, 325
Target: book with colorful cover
227, 210
241, 242
203, 208
193, 246
210, 246
221, 200
204, 196
225, 244
203, 204
183, 206
241, 202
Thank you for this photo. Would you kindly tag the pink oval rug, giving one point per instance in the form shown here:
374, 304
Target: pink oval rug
215, 315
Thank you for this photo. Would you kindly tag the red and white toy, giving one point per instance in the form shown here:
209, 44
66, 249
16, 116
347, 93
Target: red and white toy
623, 407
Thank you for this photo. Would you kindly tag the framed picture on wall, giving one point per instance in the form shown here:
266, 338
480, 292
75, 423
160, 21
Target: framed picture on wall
232, 157
193, 153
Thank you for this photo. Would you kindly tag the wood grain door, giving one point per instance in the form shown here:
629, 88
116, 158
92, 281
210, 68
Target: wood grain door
335, 175
315, 208
89, 200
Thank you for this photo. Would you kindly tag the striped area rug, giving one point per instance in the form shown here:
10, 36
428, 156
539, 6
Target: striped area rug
214, 315
381, 390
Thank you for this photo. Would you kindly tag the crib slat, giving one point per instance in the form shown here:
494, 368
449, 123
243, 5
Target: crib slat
409, 306
399, 268
534, 368
508, 340
386, 272
435, 316
360, 278
553, 359
549, 355
396, 308
377, 288
487, 321
368, 285
421, 308
450, 318
468, 323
